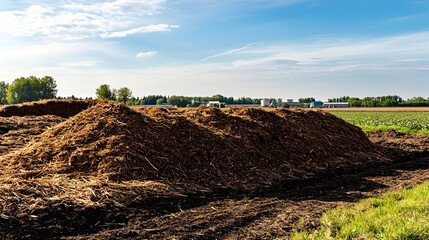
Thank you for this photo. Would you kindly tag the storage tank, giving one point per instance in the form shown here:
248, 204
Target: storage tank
265, 102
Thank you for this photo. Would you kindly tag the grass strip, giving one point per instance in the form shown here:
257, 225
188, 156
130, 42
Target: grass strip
402, 214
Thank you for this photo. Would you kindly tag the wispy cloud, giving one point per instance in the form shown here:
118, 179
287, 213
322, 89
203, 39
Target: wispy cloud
82, 20
146, 54
407, 18
123, 7
145, 29
229, 52
337, 54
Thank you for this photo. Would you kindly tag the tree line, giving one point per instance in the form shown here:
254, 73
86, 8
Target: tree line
27, 89
124, 95
383, 101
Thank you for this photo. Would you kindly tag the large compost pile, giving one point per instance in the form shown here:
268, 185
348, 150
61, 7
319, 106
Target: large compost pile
197, 149
110, 156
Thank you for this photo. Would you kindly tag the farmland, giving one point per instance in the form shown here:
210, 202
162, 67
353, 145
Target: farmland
416, 122
201, 173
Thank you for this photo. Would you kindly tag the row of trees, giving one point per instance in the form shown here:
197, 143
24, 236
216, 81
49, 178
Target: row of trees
383, 101
306, 100
124, 95
27, 89
33, 89
183, 101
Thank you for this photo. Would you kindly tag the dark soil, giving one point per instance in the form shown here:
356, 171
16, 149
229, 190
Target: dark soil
392, 139
267, 213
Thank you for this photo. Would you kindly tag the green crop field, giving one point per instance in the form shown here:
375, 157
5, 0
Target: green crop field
408, 122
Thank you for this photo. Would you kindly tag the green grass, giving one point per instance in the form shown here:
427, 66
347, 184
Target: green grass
407, 122
398, 215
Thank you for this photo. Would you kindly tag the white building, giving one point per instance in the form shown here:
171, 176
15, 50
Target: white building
213, 104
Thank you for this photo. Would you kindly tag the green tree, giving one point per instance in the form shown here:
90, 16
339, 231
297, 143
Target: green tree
47, 87
179, 101
306, 100
31, 89
159, 101
124, 94
355, 102
3, 90
105, 92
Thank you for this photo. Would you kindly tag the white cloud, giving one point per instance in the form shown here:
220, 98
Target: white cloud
146, 54
125, 7
81, 20
145, 29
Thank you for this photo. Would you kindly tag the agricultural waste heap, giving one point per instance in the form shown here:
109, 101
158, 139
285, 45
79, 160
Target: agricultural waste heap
61, 108
197, 149
110, 157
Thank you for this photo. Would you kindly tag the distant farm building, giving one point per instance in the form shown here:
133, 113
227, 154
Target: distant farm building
291, 104
316, 104
336, 105
214, 104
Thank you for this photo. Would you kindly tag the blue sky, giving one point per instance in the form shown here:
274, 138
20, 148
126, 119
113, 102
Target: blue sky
278, 48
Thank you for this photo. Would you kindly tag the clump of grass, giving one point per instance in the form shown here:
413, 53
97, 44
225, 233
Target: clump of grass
400, 214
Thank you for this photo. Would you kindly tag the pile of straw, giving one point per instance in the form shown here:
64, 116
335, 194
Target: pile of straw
110, 156
196, 149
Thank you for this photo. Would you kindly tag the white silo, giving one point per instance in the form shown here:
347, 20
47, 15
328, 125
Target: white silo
265, 102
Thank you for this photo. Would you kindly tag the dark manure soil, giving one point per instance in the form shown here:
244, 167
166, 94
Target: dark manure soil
111, 172
61, 108
392, 139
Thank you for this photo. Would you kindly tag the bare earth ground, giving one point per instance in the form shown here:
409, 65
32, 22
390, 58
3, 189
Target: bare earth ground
266, 213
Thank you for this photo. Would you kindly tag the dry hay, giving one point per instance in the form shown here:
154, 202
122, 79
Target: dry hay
61, 108
110, 155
